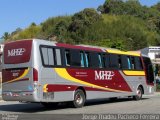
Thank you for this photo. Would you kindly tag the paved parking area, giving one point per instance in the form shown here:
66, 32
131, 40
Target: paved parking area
149, 104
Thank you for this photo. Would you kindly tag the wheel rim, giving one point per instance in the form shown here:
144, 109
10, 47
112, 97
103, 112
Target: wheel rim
78, 99
139, 93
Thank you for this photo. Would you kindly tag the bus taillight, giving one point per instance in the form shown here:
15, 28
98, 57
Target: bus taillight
35, 75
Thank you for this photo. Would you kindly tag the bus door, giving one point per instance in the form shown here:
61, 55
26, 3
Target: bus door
149, 70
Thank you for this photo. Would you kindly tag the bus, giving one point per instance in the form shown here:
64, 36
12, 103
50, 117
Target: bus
49, 73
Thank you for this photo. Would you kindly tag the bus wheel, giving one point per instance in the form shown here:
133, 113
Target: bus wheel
139, 94
79, 99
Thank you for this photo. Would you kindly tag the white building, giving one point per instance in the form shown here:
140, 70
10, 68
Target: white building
153, 52
1, 51
1, 48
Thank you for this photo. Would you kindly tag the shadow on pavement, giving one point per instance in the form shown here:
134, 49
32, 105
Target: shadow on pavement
37, 107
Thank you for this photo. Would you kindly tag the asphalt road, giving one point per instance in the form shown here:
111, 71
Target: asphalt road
148, 105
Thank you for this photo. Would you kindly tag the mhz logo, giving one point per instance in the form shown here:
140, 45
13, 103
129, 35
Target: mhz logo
16, 52
104, 75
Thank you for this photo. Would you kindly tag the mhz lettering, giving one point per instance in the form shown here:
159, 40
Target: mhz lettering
16, 52
104, 75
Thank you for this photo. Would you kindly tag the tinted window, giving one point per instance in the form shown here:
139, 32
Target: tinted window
82, 59
100, 61
94, 60
119, 62
129, 62
138, 63
87, 59
126, 62
114, 61
133, 63
106, 60
67, 58
75, 58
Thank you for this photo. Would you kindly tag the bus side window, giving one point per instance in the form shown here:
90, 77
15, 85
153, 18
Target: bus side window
125, 64
129, 62
100, 61
138, 63
75, 58
119, 62
82, 59
50, 56
58, 57
132, 62
94, 60
87, 59
114, 61
67, 58
45, 55
106, 60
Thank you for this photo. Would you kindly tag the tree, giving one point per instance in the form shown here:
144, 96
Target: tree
84, 18
112, 7
18, 30
6, 36
51, 26
157, 6
61, 30
33, 24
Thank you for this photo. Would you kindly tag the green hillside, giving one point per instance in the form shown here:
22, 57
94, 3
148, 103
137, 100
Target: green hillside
124, 25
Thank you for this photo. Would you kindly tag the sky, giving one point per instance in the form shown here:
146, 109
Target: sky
21, 13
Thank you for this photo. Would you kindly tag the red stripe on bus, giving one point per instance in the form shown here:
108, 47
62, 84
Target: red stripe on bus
116, 82
60, 88
78, 47
9, 75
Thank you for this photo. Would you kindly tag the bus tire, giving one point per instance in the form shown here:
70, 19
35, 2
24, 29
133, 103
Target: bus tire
79, 99
139, 92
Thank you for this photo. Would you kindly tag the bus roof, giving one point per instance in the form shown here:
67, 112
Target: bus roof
134, 53
114, 51
85, 47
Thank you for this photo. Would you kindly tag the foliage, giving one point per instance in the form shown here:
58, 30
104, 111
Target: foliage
6, 36
84, 18
31, 32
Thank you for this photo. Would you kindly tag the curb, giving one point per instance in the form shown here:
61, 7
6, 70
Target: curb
156, 93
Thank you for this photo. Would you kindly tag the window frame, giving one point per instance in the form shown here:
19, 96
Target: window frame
54, 55
104, 56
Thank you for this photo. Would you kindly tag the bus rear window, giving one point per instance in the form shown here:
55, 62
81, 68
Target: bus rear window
17, 52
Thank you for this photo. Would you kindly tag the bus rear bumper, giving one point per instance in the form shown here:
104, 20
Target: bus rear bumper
19, 96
